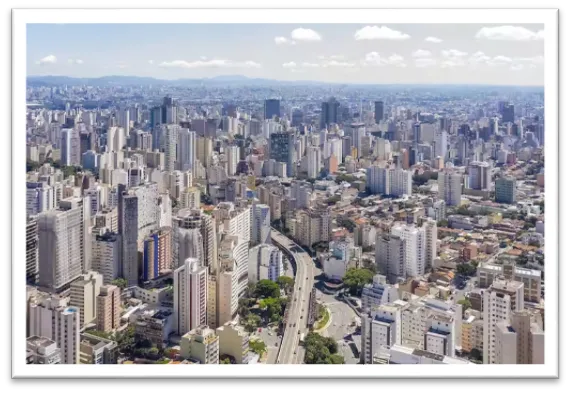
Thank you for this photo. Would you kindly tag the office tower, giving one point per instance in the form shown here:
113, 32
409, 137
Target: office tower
170, 132
63, 244
70, 147
90, 161
479, 175
415, 248
52, 318
42, 350
128, 221
54, 134
391, 257
115, 139
109, 308
330, 113
279, 146
188, 244
381, 328
86, 142
506, 190
186, 149
234, 342
190, 198
265, 263
201, 344
260, 224
441, 142
449, 187
499, 301
382, 149
378, 111
378, 293
227, 295
157, 253
190, 295
508, 113
297, 117
32, 250
84, 292
400, 182
124, 120
272, 108
314, 162
237, 248
236, 221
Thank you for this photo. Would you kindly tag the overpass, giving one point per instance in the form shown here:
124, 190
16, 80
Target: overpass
296, 323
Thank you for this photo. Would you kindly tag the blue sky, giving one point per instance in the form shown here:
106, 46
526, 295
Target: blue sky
352, 53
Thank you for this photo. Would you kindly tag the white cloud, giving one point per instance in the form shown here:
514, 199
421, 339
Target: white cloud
283, 41
449, 53
214, 63
75, 61
290, 64
509, 33
453, 58
517, 67
499, 61
434, 40
50, 59
301, 34
336, 63
421, 53
425, 62
310, 65
479, 57
379, 33
151, 62
532, 60
375, 59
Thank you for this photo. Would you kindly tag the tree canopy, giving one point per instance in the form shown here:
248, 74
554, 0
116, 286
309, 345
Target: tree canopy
120, 282
286, 283
267, 288
356, 279
321, 350
466, 269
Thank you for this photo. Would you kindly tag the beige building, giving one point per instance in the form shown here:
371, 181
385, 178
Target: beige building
97, 350
201, 344
84, 292
505, 344
109, 308
530, 338
530, 278
472, 334
234, 341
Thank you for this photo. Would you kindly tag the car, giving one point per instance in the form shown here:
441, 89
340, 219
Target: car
307, 278
294, 353
299, 332
276, 344
295, 324
301, 317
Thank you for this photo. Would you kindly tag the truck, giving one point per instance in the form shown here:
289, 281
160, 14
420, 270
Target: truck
302, 338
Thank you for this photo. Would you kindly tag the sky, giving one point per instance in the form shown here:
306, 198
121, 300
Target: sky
340, 53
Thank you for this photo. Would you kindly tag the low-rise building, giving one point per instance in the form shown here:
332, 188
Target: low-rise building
201, 344
234, 341
97, 350
42, 350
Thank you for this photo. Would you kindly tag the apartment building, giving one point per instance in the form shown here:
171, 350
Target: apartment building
234, 341
201, 344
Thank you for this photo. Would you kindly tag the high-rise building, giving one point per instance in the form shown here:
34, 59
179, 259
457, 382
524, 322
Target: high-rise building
42, 350
378, 293
430, 227
32, 250
500, 300
391, 257
106, 255
70, 147
194, 235
170, 132
381, 329
109, 308
234, 342
449, 187
265, 263
314, 162
260, 224
204, 151
157, 253
378, 111
201, 344
272, 108
389, 181
415, 248
232, 156
479, 175
40, 197
186, 149
52, 318
63, 244
506, 190
84, 292
128, 221
330, 112
190, 296
508, 113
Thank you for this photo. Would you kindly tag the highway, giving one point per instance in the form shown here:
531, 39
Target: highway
296, 324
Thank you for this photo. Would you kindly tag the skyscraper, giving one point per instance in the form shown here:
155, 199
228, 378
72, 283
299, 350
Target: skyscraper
84, 292
378, 111
272, 108
157, 253
330, 112
128, 221
190, 295
32, 250
314, 162
265, 263
391, 257
449, 187
479, 175
260, 224
70, 147
109, 308
170, 139
415, 245
186, 149
506, 190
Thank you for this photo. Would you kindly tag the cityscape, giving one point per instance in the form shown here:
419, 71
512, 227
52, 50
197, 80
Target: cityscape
349, 208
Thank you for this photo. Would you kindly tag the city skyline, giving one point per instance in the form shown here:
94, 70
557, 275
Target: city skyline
339, 53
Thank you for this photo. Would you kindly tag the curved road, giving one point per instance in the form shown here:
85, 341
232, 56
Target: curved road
296, 324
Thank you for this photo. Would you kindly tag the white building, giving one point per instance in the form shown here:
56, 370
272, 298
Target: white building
201, 344
84, 292
449, 187
314, 162
186, 149
378, 293
261, 224
479, 175
381, 329
415, 248
190, 296
265, 263
234, 341
51, 317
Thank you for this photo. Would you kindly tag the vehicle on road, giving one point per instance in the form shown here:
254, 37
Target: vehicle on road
276, 344
301, 317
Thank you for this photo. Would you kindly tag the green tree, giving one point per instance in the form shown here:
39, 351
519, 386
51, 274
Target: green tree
286, 283
252, 322
443, 223
321, 350
355, 279
267, 289
120, 282
465, 303
257, 346
466, 269
226, 361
